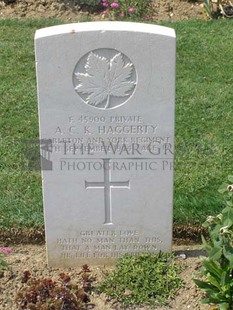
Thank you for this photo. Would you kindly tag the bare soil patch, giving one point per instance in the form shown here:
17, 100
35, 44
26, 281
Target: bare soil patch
68, 11
33, 259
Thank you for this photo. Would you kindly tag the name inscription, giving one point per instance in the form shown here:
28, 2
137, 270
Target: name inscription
111, 136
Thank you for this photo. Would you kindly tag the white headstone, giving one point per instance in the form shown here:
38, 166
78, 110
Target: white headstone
106, 107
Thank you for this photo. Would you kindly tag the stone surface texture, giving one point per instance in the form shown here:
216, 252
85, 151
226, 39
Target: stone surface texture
106, 105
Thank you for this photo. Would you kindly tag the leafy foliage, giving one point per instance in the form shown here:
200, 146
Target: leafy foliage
145, 279
47, 294
218, 268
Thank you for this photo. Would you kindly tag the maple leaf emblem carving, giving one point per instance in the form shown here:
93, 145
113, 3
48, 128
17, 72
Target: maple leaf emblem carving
105, 79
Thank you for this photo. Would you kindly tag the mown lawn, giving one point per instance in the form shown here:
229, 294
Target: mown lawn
204, 120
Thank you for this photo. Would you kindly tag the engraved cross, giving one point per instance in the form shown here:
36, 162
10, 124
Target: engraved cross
107, 185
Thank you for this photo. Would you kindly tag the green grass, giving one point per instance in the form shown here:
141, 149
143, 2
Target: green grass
148, 279
204, 118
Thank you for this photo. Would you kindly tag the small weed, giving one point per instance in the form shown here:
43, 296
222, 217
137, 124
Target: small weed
146, 279
3, 264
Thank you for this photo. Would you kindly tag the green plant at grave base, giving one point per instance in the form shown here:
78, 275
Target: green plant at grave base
128, 9
217, 269
145, 279
3, 264
47, 294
